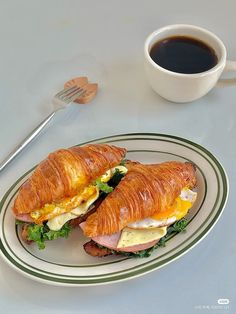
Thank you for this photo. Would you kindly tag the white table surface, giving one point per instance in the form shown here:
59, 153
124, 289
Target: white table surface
44, 43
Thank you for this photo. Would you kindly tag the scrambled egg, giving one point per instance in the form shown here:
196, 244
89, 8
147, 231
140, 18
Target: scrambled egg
49, 211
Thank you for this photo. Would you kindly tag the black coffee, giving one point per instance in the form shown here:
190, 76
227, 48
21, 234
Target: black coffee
183, 54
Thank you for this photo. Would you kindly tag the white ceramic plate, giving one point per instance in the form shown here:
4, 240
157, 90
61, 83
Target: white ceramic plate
64, 261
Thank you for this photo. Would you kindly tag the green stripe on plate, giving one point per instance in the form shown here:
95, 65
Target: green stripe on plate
119, 259
149, 265
102, 264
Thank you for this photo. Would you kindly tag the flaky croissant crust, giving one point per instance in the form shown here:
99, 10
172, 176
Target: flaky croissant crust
63, 173
144, 191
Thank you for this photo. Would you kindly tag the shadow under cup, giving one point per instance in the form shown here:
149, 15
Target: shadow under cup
181, 87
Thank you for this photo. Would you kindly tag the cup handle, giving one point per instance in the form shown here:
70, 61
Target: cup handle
229, 66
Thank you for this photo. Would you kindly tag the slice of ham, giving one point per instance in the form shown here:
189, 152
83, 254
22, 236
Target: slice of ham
24, 217
111, 241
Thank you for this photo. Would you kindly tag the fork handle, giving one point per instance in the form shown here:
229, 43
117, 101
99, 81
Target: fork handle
26, 141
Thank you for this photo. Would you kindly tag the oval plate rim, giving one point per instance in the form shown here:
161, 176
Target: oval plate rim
144, 270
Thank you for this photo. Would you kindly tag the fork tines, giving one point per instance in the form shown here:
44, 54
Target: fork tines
70, 94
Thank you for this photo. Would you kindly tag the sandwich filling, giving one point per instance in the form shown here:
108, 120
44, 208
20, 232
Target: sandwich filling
155, 227
146, 233
53, 218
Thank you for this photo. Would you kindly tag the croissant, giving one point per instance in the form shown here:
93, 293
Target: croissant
64, 173
143, 192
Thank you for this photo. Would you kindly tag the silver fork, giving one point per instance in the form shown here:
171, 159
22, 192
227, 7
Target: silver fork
60, 101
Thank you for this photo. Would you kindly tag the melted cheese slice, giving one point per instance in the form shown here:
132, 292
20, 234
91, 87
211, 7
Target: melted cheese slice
57, 222
130, 237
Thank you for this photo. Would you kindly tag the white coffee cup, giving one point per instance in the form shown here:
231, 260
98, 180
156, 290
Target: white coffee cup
180, 87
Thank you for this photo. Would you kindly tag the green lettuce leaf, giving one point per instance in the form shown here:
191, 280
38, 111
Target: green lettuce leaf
103, 187
123, 162
116, 178
41, 233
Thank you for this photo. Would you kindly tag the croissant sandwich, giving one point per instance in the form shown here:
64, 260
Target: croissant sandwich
64, 188
148, 204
